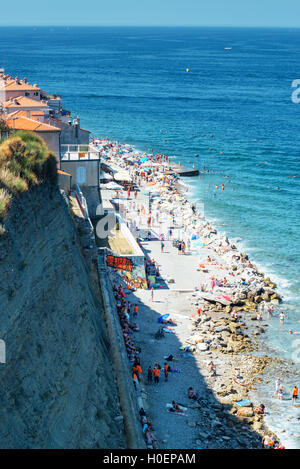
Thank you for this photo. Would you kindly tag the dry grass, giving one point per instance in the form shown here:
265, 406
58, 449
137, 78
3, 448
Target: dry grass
13, 182
5, 199
25, 161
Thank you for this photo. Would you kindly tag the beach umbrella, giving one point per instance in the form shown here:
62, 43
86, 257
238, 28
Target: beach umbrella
106, 176
163, 317
145, 158
113, 186
152, 279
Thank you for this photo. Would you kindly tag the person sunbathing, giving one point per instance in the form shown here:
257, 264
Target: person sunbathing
260, 409
169, 321
150, 438
192, 394
212, 369
234, 314
175, 407
237, 378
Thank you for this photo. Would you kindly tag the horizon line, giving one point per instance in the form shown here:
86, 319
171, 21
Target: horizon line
144, 26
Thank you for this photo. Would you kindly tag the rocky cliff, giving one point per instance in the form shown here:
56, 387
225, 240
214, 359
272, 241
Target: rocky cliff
58, 386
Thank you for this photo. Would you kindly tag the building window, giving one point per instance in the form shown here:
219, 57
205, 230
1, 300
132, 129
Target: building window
36, 93
27, 94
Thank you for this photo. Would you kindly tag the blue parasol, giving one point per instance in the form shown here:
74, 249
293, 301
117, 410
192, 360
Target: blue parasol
163, 317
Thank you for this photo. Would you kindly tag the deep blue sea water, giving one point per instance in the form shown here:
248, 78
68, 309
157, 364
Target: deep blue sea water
131, 84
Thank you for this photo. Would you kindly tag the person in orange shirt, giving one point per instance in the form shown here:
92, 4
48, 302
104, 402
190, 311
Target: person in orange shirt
295, 394
156, 372
139, 372
135, 380
135, 310
166, 371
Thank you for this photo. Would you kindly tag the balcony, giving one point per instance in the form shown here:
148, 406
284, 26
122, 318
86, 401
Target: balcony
79, 152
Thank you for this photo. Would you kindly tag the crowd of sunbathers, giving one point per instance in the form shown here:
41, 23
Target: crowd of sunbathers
124, 310
128, 327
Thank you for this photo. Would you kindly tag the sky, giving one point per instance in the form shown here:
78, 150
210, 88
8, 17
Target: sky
243, 13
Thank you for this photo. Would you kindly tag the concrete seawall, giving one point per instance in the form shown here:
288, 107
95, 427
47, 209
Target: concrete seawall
128, 400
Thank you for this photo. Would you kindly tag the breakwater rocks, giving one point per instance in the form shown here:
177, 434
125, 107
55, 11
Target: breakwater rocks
226, 343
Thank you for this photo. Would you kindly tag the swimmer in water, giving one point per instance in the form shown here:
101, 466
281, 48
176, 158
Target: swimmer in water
292, 332
280, 392
282, 317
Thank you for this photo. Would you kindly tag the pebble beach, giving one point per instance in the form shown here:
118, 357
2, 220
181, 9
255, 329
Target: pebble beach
218, 304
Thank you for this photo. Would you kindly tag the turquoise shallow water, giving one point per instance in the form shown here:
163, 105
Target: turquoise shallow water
131, 84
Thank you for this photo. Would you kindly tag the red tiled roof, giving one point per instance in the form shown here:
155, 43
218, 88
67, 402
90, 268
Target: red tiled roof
13, 85
23, 101
25, 123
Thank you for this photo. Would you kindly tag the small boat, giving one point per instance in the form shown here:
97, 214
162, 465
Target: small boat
227, 48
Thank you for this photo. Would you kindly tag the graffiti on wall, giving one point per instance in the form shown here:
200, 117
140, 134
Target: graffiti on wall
119, 263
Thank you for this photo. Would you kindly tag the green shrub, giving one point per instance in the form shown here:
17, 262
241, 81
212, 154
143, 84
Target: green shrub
27, 156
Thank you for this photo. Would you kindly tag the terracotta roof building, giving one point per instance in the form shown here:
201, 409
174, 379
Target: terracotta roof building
13, 87
24, 103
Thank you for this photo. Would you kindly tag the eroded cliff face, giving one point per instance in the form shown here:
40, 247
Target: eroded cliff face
58, 386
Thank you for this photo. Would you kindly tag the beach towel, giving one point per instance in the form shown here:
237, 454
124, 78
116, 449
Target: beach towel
243, 403
177, 413
227, 298
181, 407
145, 427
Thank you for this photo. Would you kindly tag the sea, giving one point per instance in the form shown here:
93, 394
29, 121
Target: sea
222, 99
